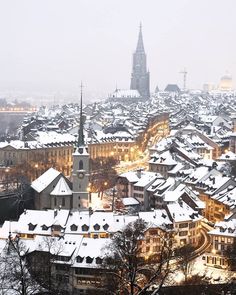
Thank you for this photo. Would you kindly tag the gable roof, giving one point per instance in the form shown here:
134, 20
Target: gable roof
44, 180
172, 88
61, 188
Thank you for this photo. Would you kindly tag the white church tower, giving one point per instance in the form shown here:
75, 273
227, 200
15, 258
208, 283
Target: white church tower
80, 173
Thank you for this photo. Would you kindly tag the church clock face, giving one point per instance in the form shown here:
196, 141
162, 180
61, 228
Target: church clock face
80, 175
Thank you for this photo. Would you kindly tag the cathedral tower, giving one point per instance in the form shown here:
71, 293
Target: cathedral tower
80, 173
140, 75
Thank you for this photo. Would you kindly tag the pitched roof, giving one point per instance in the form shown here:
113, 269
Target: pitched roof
61, 189
172, 88
44, 180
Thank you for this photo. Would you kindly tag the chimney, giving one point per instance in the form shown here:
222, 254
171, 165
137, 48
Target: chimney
139, 172
55, 213
90, 211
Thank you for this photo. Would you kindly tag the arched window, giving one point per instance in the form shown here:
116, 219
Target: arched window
81, 165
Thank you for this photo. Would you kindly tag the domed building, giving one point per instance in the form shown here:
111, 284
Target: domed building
226, 83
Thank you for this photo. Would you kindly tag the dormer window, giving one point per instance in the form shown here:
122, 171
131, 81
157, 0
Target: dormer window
89, 259
73, 227
105, 226
56, 228
222, 229
96, 226
230, 230
79, 259
98, 260
44, 227
32, 226
85, 227
163, 215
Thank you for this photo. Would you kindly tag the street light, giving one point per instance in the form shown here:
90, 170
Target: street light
36, 171
114, 191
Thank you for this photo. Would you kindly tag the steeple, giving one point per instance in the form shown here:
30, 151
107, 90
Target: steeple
81, 124
140, 75
140, 46
80, 172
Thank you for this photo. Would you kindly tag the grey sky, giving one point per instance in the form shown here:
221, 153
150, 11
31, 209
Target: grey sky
50, 45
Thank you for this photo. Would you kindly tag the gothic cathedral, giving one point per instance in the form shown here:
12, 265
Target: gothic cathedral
140, 75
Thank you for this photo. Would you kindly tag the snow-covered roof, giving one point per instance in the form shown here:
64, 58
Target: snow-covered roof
47, 137
61, 188
130, 201
164, 158
229, 156
125, 93
44, 180
225, 228
156, 218
19, 144
141, 177
227, 197
181, 212
92, 248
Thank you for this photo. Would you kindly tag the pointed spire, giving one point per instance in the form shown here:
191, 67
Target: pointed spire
81, 125
140, 46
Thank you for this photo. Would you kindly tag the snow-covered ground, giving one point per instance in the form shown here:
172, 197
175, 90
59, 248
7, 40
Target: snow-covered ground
211, 274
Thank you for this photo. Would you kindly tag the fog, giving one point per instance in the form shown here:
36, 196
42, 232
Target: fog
49, 46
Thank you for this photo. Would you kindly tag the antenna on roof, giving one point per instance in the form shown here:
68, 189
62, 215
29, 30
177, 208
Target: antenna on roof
184, 72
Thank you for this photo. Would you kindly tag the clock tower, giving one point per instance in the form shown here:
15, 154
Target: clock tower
80, 173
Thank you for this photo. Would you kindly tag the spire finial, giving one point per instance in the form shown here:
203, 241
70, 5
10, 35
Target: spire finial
140, 47
81, 125
140, 26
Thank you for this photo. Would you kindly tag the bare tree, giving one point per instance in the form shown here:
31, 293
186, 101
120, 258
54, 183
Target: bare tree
103, 174
230, 254
42, 263
185, 254
128, 272
15, 277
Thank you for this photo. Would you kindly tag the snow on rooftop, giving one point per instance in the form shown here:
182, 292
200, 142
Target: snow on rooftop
157, 218
90, 248
130, 201
125, 93
164, 158
182, 212
146, 178
61, 188
44, 180
53, 137
228, 156
19, 144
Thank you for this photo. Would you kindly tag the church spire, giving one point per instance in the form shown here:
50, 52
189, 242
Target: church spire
140, 46
139, 75
81, 125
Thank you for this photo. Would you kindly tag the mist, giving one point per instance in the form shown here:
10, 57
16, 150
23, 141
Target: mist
48, 47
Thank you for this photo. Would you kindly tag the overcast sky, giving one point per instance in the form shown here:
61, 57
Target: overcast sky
49, 46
